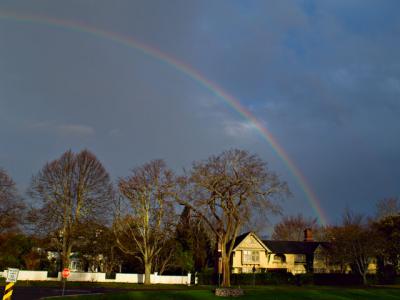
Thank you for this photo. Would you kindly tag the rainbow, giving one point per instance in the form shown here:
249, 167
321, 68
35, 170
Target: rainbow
193, 74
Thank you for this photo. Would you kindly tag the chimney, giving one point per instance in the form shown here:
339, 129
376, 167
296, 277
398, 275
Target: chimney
308, 235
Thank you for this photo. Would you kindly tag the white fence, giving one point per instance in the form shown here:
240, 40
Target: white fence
34, 276
101, 277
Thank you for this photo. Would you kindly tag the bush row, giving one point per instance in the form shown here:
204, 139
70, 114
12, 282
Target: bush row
275, 278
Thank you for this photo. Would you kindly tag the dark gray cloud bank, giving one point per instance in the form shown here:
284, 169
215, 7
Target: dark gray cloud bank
324, 76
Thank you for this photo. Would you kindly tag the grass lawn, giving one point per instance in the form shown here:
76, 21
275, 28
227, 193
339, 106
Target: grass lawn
265, 292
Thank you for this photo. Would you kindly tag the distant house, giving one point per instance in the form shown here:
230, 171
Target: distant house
75, 264
251, 254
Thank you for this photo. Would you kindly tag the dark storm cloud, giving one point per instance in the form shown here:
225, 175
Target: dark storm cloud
322, 75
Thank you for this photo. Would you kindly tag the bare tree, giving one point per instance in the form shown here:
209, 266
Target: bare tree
166, 258
11, 205
353, 244
387, 207
388, 232
291, 228
73, 189
228, 191
143, 227
336, 255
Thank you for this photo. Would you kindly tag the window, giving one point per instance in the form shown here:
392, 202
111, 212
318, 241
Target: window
300, 258
279, 258
250, 257
319, 256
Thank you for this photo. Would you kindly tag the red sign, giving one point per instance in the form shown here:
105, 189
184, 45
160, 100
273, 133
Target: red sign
65, 273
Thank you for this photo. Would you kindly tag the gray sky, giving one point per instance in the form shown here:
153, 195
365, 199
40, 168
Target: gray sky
323, 76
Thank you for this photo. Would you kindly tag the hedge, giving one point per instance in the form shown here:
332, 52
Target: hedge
276, 278
249, 278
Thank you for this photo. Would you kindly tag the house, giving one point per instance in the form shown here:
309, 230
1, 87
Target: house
75, 264
250, 253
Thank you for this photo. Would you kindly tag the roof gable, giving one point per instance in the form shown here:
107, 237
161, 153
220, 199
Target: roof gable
249, 240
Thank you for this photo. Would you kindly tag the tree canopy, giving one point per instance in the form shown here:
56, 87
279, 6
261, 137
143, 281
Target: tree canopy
291, 228
144, 226
228, 191
72, 190
11, 205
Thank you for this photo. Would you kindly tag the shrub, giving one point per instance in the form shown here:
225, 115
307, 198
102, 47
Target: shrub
52, 274
111, 275
207, 277
387, 275
337, 279
260, 278
304, 279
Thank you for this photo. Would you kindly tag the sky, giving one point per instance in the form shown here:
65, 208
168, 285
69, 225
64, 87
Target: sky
323, 77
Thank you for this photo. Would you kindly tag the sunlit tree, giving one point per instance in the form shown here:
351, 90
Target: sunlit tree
145, 224
228, 191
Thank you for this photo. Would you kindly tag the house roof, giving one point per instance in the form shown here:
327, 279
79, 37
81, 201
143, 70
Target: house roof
291, 247
288, 247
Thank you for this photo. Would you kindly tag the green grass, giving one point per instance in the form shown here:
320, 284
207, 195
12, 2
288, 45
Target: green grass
175, 292
257, 293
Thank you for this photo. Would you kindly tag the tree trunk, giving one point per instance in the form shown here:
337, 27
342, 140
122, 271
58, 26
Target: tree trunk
362, 266
364, 277
226, 271
66, 256
147, 272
